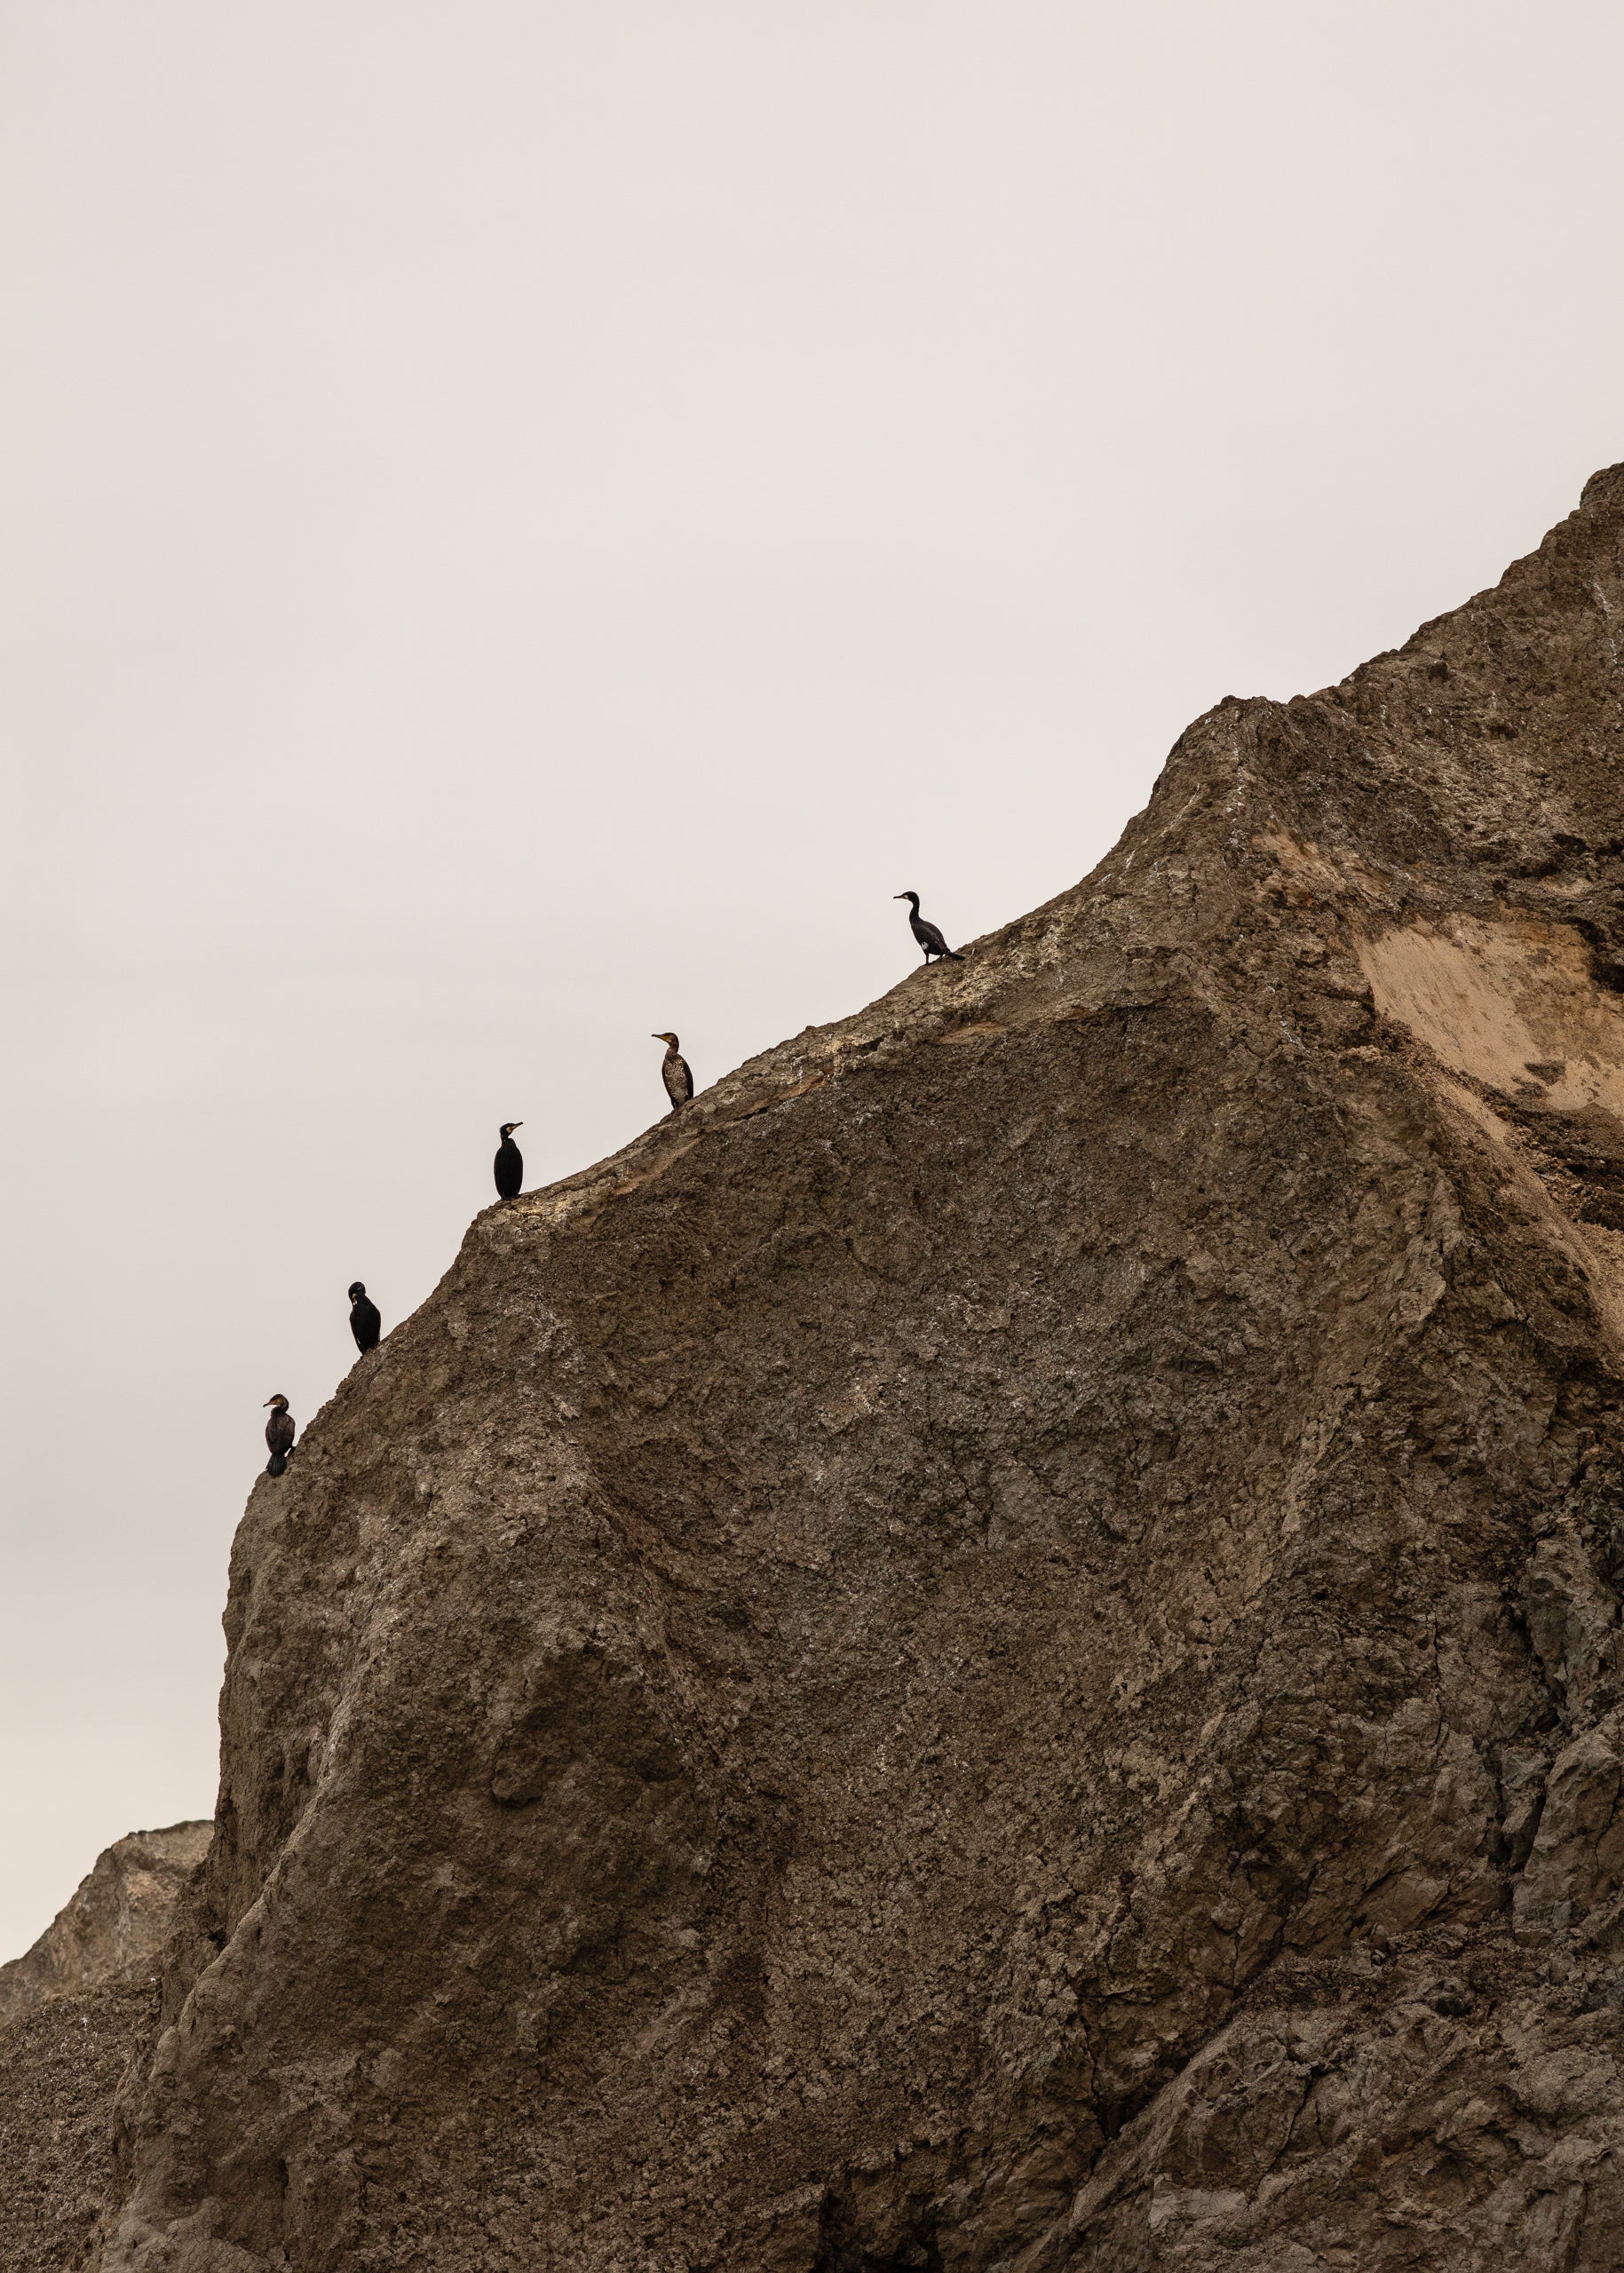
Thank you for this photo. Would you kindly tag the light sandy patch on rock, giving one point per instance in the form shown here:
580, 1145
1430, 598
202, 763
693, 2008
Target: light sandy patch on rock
1512, 1004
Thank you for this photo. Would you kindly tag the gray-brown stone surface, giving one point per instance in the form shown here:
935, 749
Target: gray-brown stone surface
998, 1647
114, 1923
74, 2012
60, 2065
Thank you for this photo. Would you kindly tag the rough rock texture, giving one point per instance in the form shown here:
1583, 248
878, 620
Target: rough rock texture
73, 2013
115, 1923
999, 1647
60, 2064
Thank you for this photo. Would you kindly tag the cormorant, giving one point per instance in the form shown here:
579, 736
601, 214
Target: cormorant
510, 1162
673, 1072
279, 1436
929, 937
365, 1324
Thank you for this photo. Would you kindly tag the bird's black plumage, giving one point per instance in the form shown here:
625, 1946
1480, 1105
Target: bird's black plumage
673, 1072
929, 937
365, 1324
278, 1436
510, 1162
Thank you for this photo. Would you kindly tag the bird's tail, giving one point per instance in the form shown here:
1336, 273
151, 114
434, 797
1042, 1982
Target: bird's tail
952, 956
277, 1465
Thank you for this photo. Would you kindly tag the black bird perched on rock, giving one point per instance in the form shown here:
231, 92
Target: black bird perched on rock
365, 1324
929, 937
509, 1163
673, 1072
279, 1436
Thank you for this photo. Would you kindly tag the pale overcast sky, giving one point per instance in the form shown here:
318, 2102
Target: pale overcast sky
526, 525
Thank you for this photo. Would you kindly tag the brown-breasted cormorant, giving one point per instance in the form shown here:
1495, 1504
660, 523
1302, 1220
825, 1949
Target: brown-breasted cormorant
510, 1162
365, 1324
673, 1072
278, 1436
929, 937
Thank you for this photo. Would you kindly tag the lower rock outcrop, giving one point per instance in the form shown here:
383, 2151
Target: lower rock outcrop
115, 1926
72, 2014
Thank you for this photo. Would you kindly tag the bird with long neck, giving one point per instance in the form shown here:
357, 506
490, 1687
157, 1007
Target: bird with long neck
509, 1165
929, 937
279, 1431
673, 1072
364, 1323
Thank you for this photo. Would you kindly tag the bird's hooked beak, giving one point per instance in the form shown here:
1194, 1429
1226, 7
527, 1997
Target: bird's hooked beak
898, 895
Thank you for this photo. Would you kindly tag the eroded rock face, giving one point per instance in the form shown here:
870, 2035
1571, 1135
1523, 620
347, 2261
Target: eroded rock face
999, 1646
74, 2013
116, 1922
60, 2064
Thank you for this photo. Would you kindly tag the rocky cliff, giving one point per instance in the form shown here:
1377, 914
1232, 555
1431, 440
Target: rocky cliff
999, 1647
72, 2012
115, 1923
